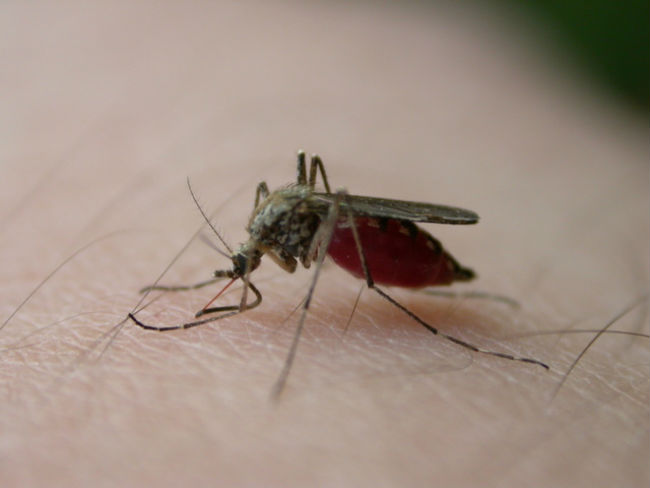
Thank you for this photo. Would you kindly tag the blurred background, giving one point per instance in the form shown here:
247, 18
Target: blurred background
608, 41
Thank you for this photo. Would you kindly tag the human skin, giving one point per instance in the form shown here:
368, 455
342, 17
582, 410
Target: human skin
111, 108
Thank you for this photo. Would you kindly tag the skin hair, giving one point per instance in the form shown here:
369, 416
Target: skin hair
106, 123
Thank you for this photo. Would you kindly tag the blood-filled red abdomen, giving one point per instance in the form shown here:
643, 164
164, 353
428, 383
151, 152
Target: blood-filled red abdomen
398, 254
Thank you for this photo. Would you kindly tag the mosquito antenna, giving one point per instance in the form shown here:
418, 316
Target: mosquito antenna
206, 218
206, 240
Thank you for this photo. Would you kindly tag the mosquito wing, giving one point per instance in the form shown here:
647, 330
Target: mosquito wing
401, 209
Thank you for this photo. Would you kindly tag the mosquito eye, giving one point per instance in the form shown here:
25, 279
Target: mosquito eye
239, 263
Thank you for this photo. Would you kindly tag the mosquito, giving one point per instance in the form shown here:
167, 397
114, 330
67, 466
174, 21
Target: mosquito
375, 239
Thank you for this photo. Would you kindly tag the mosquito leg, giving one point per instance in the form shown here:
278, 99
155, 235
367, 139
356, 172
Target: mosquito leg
323, 237
301, 170
179, 288
230, 309
478, 295
188, 325
317, 165
261, 193
248, 306
218, 275
430, 328
244, 294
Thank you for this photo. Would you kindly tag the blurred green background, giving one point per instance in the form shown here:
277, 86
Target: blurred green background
608, 39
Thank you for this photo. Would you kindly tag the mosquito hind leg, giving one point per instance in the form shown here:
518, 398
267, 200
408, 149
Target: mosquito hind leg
371, 284
317, 165
301, 169
474, 295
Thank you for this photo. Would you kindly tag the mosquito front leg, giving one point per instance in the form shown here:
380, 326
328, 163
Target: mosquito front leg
229, 309
238, 308
179, 287
371, 284
323, 237
187, 325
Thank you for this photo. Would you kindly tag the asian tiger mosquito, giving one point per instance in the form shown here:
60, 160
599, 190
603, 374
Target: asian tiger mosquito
375, 239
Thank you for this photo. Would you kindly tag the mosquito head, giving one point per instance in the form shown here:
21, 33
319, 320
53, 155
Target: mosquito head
245, 260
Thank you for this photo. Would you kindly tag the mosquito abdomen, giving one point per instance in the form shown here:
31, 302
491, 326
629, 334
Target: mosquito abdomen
398, 253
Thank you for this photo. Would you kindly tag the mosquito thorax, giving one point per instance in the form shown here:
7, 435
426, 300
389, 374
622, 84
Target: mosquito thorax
284, 221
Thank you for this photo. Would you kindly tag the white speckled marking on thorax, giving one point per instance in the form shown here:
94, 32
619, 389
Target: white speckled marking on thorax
285, 220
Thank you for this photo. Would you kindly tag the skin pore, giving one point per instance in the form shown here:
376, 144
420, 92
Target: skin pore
111, 114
